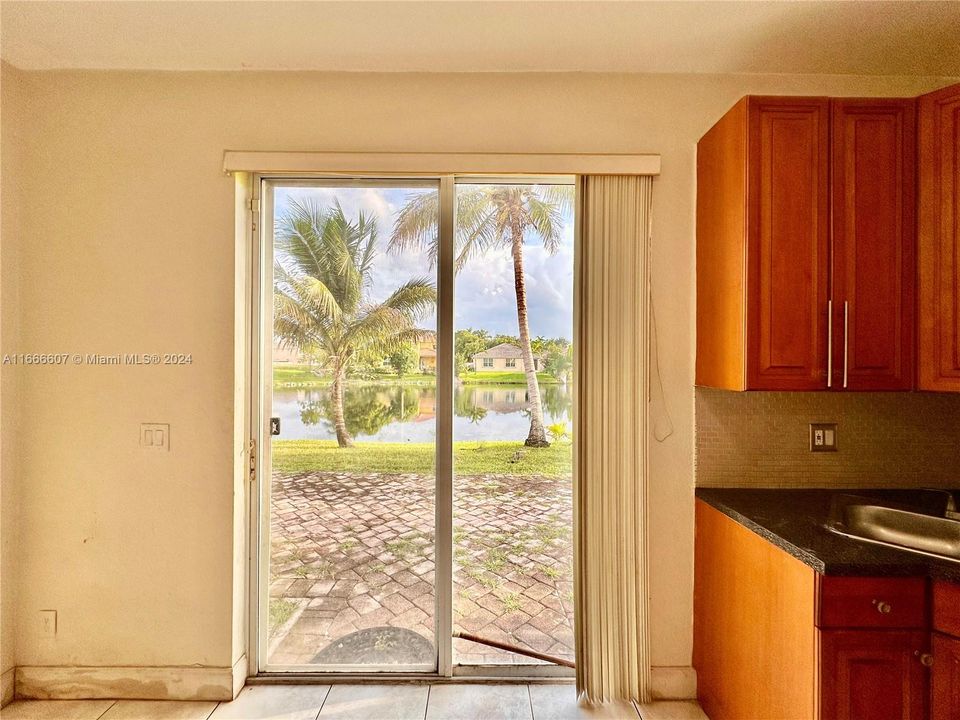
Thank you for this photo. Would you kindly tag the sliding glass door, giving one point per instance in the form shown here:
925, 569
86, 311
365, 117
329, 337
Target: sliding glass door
414, 368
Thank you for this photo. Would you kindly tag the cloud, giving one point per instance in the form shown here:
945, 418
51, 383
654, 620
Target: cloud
484, 289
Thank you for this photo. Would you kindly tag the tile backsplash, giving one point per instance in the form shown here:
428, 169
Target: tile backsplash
761, 439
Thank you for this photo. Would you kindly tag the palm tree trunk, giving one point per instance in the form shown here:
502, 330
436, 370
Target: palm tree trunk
339, 423
537, 436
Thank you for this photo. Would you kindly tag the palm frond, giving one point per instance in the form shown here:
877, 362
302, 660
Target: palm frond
546, 219
417, 225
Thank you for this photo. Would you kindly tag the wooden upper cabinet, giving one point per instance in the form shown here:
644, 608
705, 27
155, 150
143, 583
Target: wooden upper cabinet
939, 241
762, 244
806, 246
873, 149
787, 235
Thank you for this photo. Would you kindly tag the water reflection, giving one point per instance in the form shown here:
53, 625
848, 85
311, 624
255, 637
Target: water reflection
396, 413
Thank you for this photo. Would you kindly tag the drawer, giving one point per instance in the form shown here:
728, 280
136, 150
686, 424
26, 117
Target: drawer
871, 602
946, 607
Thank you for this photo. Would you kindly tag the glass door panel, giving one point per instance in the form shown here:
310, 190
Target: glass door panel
352, 399
512, 487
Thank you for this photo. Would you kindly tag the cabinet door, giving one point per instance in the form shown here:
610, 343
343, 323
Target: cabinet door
787, 233
874, 674
939, 241
874, 259
945, 678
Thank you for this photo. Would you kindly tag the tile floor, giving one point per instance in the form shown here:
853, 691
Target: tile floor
362, 702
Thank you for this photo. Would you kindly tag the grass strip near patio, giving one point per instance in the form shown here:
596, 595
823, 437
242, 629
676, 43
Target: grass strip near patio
470, 458
496, 377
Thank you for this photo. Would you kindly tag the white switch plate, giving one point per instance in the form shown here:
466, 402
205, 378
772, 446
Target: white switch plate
155, 436
48, 623
823, 437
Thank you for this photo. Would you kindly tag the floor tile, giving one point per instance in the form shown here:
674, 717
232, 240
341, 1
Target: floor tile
56, 709
672, 710
559, 702
274, 702
478, 702
364, 702
159, 710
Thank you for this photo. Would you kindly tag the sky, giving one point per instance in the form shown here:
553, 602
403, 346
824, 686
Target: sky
484, 290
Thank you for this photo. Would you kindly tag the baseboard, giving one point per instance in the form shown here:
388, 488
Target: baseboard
6, 686
673, 683
127, 683
239, 674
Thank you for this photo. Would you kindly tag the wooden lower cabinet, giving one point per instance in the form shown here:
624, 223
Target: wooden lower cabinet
945, 678
873, 674
774, 640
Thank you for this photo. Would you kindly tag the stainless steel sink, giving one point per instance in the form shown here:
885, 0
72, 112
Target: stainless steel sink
904, 529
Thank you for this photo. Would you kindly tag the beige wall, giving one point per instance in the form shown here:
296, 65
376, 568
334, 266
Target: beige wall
128, 246
499, 365
10, 129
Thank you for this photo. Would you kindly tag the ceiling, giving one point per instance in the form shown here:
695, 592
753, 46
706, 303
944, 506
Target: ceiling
869, 38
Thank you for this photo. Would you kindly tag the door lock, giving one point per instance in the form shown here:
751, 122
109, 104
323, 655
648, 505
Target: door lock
274, 426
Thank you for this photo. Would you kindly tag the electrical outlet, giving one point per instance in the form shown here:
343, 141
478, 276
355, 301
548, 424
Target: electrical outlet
823, 437
48, 623
155, 436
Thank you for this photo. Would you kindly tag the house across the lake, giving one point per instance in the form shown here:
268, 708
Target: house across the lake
427, 349
505, 357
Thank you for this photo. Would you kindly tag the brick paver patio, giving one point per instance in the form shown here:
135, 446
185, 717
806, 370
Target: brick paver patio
353, 552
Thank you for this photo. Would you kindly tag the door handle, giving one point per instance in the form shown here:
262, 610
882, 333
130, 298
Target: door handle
846, 327
829, 343
274, 426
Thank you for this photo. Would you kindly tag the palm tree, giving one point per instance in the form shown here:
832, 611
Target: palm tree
323, 270
490, 216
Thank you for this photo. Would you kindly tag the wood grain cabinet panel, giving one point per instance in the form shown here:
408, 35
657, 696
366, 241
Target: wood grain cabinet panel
873, 148
754, 641
873, 674
872, 602
787, 236
945, 678
762, 253
939, 241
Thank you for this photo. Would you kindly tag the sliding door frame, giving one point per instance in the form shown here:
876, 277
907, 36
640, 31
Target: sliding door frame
260, 404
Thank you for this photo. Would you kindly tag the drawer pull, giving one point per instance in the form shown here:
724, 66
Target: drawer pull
926, 659
882, 607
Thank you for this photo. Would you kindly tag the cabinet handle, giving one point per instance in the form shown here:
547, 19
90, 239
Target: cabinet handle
882, 607
926, 659
846, 325
829, 343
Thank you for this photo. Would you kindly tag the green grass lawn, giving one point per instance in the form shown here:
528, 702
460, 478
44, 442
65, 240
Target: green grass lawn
300, 376
293, 376
470, 458
297, 376
469, 377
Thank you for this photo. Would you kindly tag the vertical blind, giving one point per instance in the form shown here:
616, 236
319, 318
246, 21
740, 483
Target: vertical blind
610, 477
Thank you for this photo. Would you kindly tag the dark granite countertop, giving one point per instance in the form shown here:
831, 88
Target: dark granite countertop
795, 520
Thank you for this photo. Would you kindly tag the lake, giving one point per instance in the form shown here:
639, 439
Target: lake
389, 412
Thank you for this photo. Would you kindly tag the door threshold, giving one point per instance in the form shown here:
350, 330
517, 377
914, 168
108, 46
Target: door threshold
401, 679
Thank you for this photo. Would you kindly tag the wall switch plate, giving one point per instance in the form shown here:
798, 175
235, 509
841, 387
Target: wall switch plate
823, 437
48, 623
155, 436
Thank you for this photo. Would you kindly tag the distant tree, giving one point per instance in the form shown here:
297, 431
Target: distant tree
559, 361
501, 339
404, 359
466, 344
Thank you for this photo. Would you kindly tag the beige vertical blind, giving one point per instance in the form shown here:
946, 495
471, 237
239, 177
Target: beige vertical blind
610, 477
